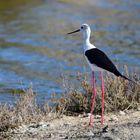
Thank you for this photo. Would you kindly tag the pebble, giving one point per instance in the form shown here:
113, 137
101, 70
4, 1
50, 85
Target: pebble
66, 137
122, 113
97, 117
88, 115
138, 109
105, 129
90, 133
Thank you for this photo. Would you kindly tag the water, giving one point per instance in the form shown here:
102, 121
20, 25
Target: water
35, 50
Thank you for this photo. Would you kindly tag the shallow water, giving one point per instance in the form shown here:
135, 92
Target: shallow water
35, 50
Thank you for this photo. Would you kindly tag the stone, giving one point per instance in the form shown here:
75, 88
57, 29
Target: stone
122, 113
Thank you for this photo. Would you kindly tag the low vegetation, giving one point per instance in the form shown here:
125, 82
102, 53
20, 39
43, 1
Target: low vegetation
119, 95
24, 111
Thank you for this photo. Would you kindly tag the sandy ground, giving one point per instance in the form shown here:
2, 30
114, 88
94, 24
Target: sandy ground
123, 126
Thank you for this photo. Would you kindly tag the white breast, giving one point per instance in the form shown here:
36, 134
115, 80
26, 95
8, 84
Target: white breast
88, 46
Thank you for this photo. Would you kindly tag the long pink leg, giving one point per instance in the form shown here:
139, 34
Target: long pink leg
93, 98
102, 87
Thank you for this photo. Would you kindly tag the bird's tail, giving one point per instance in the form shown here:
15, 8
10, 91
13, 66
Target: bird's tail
119, 74
135, 82
126, 78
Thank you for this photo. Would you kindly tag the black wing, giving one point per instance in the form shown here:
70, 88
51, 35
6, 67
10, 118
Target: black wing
100, 59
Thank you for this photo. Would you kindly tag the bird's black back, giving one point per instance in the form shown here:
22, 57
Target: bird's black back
100, 59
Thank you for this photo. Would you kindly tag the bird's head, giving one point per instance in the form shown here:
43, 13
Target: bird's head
85, 29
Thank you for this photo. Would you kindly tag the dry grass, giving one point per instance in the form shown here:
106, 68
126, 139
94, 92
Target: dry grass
119, 95
24, 111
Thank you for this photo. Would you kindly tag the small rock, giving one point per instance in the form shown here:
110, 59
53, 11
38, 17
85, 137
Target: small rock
22, 126
48, 136
97, 117
66, 137
34, 125
43, 124
105, 129
84, 115
138, 109
122, 113
90, 133
88, 114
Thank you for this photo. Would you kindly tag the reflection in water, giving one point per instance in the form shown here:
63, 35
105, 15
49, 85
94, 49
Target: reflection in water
34, 47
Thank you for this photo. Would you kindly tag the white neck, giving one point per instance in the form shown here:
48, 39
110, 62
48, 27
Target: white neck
86, 40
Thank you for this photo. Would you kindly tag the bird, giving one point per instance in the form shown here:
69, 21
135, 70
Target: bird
98, 61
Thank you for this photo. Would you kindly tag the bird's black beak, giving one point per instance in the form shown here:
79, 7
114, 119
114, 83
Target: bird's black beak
73, 32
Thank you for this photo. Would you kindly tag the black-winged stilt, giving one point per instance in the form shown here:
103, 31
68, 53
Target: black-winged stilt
98, 61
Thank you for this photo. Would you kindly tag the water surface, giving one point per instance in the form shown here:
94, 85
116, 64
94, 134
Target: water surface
35, 50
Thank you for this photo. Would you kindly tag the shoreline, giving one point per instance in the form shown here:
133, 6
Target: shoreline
124, 125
